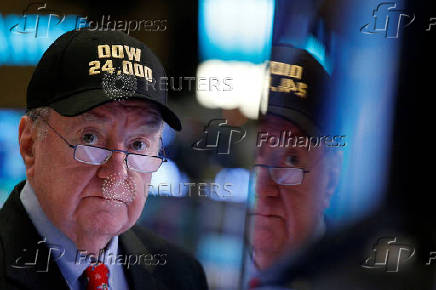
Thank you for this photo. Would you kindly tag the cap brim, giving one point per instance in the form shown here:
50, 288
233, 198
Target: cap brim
87, 100
296, 117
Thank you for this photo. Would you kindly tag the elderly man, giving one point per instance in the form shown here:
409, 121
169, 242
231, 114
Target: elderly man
296, 168
90, 141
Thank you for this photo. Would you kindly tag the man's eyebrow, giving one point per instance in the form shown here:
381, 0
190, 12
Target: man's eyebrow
149, 117
84, 118
146, 130
92, 117
153, 121
149, 120
150, 126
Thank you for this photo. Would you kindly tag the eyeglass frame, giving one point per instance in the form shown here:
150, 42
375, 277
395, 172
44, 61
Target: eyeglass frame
273, 167
127, 153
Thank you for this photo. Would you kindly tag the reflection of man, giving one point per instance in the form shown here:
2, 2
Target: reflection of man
89, 160
295, 172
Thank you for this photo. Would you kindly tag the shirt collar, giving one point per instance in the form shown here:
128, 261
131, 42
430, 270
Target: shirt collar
71, 262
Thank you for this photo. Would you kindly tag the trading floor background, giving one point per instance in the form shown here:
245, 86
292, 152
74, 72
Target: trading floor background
215, 53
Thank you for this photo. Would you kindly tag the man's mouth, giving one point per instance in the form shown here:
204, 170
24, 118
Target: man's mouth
116, 201
267, 215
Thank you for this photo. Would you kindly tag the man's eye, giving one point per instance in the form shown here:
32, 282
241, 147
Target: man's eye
139, 145
292, 160
89, 138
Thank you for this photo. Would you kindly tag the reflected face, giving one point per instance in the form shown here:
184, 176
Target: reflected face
102, 199
286, 216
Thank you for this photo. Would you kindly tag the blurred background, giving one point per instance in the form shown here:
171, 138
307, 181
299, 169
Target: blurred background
230, 40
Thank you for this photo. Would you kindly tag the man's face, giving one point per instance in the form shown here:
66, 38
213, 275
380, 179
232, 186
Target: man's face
285, 216
102, 199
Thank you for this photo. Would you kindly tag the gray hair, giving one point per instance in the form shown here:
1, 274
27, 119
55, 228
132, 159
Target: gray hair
35, 115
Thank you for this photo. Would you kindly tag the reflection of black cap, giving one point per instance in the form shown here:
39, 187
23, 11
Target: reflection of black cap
84, 69
297, 88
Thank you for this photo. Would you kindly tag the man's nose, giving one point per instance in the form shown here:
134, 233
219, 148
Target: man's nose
265, 186
116, 165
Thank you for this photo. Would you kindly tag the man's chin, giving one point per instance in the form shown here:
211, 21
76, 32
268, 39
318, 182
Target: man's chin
265, 257
266, 240
104, 222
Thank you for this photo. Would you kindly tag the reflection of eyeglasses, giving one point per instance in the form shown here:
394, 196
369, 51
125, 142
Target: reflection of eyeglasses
98, 155
283, 175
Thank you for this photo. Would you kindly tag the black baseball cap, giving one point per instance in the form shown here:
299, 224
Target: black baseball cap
83, 69
299, 86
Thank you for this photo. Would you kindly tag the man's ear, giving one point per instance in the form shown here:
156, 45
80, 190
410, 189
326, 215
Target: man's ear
334, 164
26, 139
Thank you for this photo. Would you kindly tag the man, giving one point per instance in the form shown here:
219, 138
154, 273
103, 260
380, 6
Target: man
296, 170
90, 140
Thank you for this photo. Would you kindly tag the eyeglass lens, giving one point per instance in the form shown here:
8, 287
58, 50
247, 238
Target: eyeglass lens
283, 176
97, 156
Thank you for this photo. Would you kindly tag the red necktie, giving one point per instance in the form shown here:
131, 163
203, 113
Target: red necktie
97, 276
254, 283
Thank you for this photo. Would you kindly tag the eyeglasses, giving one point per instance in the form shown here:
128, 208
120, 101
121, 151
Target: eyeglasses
283, 175
95, 155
